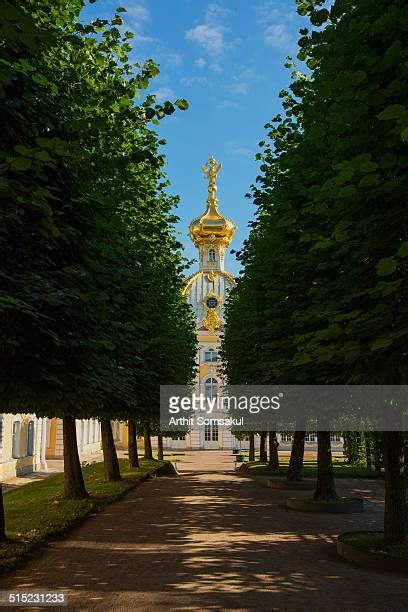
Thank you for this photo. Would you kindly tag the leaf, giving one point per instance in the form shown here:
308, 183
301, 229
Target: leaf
318, 18
368, 166
346, 192
386, 266
393, 111
182, 104
403, 250
382, 343
23, 150
43, 156
40, 79
21, 163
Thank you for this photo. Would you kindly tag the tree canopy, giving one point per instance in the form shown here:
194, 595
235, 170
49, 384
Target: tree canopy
326, 261
92, 270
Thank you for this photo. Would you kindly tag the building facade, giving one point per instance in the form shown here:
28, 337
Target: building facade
23, 439
206, 290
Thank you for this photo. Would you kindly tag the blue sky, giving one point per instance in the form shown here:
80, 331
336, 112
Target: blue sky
226, 58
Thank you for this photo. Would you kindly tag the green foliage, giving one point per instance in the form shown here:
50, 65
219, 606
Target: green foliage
323, 295
93, 320
354, 448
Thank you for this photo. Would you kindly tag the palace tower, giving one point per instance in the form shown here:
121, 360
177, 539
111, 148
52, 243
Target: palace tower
206, 291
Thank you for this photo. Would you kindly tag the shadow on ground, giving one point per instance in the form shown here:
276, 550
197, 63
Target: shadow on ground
214, 541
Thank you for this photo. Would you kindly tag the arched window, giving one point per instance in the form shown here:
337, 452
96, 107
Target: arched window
211, 255
211, 388
15, 444
211, 355
30, 438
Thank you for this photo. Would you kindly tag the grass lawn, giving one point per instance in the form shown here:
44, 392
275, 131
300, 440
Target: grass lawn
341, 469
374, 542
37, 511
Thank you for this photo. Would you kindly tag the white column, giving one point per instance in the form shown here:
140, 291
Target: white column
43, 460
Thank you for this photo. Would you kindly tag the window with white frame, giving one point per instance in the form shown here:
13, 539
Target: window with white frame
210, 355
285, 437
211, 433
211, 255
30, 438
15, 444
211, 388
335, 438
310, 436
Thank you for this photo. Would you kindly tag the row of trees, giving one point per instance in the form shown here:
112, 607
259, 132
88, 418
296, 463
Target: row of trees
323, 295
92, 317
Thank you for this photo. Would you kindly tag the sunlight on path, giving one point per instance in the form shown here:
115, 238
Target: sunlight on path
213, 540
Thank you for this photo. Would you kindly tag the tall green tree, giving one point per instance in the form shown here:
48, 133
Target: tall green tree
325, 264
81, 166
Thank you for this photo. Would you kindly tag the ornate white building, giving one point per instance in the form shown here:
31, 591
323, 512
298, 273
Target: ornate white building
206, 291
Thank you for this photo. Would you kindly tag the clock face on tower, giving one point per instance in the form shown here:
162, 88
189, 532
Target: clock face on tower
212, 302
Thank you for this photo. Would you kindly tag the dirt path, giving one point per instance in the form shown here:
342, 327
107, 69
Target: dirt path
213, 541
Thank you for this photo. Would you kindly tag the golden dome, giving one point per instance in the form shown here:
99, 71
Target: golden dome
212, 225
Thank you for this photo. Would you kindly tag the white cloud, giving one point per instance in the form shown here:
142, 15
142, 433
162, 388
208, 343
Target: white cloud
174, 60
210, 34
239, 88
240, 151
266, 12
216, 13
200, 81
163, 93
138, 16
215, 67
277, 36
241, 81
228, 105
273, 20
200, 62
138, 13
210, 38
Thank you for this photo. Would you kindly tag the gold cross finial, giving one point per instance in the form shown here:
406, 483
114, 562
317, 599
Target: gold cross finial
211, 170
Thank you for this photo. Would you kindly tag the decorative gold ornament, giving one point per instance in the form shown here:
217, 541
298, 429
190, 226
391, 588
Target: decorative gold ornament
211, 294
212, 320
212, 227
194, 277
211, 170
211, 276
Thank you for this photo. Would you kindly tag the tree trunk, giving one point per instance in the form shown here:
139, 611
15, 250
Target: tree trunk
110, 457
251, 447
3, 537
326, 485
74, 485
273, 452
395, 514
132, 445
160, 447
263, 458
147, 441
295, 470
